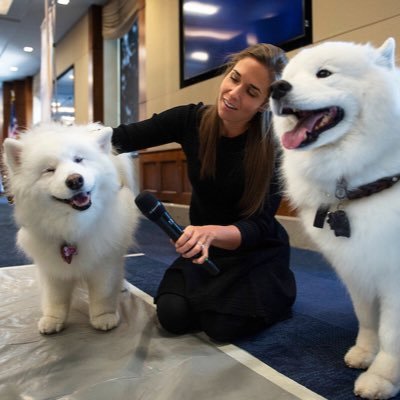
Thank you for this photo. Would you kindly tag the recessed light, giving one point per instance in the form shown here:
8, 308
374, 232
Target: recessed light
28, 49
63, 2
13, 69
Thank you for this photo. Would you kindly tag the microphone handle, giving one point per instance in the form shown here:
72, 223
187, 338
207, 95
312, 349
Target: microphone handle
169, 226
174, 231
211, 267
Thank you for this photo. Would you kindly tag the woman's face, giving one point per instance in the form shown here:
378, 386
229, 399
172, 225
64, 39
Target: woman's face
243, 92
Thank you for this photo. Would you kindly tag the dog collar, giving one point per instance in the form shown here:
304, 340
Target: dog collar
67, 251
338, 219
343, 193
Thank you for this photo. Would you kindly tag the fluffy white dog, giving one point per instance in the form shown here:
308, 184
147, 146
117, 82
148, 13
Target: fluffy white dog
76, 213
336, 113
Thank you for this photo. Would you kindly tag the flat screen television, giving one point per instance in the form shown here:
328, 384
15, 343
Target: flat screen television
210, 30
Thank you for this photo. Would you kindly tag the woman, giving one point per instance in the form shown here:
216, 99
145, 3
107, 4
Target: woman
230, 155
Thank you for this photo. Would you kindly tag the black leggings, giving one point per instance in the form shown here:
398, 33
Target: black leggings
175, 316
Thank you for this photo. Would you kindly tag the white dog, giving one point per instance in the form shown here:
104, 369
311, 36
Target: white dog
76, 214
337, 115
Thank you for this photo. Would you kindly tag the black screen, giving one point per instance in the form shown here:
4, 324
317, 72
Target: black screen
210, 30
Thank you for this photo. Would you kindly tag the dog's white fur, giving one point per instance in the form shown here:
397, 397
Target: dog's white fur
363, 147
39, 165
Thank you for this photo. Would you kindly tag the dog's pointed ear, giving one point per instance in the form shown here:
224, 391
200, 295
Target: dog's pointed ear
387, 53
103, 138
12, 151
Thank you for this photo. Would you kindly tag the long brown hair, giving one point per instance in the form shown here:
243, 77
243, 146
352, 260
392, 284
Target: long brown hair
259, 156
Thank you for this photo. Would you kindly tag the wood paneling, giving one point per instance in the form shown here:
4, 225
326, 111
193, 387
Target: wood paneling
164, 174
285, 209
23, 103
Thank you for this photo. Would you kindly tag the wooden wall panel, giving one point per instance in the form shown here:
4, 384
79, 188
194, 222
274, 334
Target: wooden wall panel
150, 176
170, 179
286, 209
23, 103
164, 174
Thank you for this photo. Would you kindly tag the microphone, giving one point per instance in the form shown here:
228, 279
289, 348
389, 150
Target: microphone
155, 211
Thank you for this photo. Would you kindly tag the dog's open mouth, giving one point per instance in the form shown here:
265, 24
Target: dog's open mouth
310, 124
81, 201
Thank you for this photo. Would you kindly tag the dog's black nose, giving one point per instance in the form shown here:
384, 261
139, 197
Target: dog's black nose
280, 88
74, 181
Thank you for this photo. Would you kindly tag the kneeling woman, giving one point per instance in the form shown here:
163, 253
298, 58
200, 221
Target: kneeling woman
232, 162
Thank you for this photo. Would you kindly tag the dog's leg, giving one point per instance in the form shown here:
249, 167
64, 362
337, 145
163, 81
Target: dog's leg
104, 288
382, 379
56, 298
362, 354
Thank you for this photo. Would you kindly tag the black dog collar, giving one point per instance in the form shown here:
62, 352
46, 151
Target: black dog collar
338, 219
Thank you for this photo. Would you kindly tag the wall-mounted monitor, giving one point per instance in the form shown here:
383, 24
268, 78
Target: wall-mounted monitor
210, 30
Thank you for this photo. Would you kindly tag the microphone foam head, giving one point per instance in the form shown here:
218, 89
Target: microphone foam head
149, 205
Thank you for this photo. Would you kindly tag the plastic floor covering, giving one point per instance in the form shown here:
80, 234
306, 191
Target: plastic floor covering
137, 360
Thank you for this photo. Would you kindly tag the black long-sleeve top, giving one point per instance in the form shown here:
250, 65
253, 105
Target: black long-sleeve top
214, 200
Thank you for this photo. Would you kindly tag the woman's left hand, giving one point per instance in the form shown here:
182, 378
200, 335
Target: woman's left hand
195, 242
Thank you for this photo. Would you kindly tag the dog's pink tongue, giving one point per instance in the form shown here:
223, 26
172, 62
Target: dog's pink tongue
294, 138
81, 200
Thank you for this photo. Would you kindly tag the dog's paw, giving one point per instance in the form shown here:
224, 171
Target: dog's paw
372, 386
49, 325
105, 322
358, 357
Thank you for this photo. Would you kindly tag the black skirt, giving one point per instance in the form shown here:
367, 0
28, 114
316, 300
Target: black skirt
257, 283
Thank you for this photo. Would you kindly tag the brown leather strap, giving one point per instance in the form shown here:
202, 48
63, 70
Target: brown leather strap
372, 188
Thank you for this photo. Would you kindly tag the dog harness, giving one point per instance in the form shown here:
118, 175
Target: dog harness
338, 220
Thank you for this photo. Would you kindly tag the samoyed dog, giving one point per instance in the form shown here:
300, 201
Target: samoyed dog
336, 113
75, 210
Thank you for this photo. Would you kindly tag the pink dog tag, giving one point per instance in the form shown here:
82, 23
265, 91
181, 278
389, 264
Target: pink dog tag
67, 252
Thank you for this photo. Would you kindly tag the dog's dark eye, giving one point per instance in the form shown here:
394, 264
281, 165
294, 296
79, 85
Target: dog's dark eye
78, 159
49, 170
323, 73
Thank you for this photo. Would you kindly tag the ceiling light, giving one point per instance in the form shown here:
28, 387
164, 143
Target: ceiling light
13, 69
195, 7
5, 6
28, 49
63, 2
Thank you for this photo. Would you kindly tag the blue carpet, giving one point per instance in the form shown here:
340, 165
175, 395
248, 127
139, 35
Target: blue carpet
309, 347
9, 254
